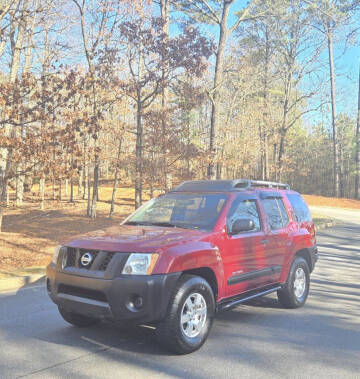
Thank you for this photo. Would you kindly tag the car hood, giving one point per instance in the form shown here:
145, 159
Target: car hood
127, 238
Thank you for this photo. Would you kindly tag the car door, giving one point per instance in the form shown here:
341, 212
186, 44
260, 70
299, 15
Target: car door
245, 260
277, 241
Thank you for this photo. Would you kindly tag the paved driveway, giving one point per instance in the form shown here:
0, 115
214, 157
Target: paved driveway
257, 340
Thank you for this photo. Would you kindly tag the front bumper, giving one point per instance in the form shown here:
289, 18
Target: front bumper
138, 298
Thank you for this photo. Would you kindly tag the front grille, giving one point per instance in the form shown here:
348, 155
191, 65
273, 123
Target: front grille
74, 255
70, 257
82, 292
94, 254
106, 261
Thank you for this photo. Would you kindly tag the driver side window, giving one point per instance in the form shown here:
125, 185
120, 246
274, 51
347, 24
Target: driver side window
244, 209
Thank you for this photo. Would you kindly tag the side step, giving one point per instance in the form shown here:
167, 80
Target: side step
230, 304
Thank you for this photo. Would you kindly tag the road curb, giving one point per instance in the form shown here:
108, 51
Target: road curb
15, 283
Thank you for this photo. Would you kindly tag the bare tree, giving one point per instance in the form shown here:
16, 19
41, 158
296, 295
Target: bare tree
297, 51
116, 178
328, 17
216, 13
149, 52
97, 21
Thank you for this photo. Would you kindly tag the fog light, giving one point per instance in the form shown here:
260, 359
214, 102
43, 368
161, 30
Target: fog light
138, 302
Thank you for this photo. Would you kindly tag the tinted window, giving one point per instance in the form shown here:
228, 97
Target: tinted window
300, 208
185, 210
276, 213
244, 209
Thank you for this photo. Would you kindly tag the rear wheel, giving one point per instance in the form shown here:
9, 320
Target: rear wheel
189, 318
296, 289
77, 319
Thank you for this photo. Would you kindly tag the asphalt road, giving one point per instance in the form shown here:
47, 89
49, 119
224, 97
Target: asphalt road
259, 339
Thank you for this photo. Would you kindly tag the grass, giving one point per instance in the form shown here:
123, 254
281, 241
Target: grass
320, 218
30, 235
324, 201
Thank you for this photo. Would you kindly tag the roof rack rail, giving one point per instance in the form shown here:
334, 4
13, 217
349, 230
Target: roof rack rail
263, 183
227, 185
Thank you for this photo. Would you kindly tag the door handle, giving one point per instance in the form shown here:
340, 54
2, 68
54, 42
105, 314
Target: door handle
265, 242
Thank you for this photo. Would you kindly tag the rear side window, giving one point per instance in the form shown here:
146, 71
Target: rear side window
300, 208
276, 213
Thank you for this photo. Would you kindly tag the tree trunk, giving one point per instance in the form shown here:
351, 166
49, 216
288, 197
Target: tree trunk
80, 184
60, 190
71, 190
280, 155
116, 177
88, 185
42, 193
138, 167
262, 150
91, 209
29, 48
53, 190
218, 78
357, 157
20, 178
165, 12
333, 116
16, 46
95, 187
86, 181
264, 147
284, 126
66, 187
341, 168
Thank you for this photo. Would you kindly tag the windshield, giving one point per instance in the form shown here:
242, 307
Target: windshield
183, 210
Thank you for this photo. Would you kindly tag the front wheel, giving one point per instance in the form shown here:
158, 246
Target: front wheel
296, 289
189, 318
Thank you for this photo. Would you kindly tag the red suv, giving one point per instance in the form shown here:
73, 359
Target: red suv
204, 247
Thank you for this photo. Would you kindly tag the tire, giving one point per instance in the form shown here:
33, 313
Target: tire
77, 319
296, 289
189, 317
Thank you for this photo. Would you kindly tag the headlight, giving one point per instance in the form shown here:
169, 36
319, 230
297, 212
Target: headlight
140, 264
56, 254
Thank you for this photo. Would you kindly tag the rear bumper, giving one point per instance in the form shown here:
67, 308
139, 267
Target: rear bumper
137, 298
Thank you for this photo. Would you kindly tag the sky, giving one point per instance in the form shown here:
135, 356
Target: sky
347, 61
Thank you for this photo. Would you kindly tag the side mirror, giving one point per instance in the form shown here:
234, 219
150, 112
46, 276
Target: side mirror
241, 225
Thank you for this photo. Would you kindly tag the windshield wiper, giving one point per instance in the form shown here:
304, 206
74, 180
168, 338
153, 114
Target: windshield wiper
137, 223
165, 224
145, 223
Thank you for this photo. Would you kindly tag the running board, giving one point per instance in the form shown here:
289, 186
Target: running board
231, 304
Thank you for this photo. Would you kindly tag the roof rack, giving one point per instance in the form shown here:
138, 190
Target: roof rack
227, 185
263, 183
